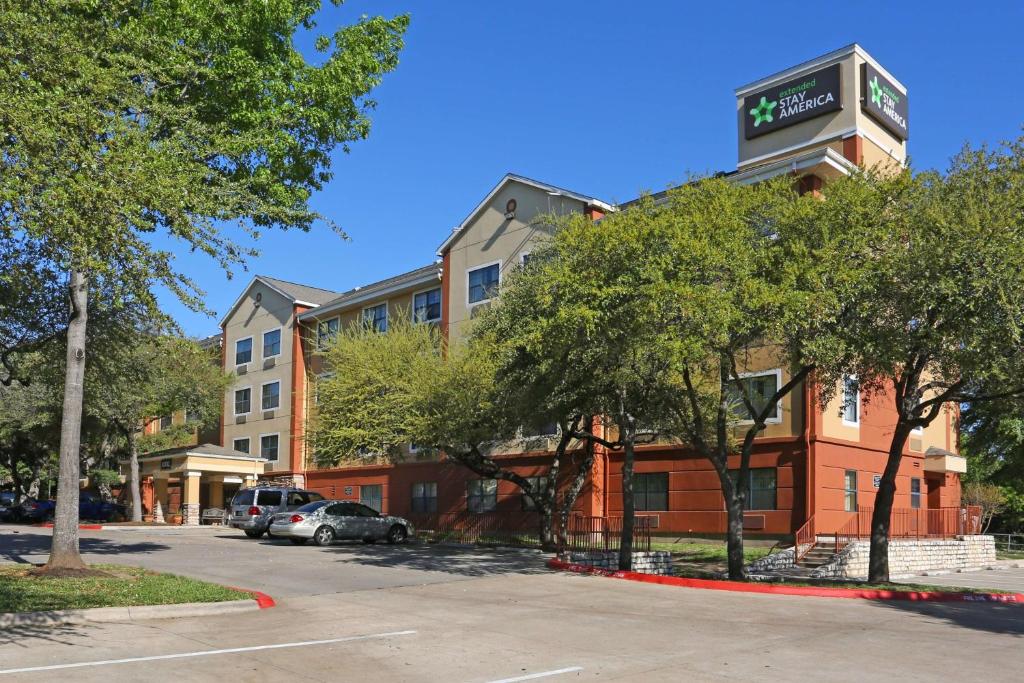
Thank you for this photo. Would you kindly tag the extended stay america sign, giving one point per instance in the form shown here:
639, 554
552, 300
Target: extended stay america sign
785, 104
884, 102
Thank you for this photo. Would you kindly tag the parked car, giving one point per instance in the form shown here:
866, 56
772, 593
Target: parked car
328, 520
252, 509
7, 500
32, 510
90, 508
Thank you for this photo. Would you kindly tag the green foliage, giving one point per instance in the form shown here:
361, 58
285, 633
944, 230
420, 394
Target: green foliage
104, 477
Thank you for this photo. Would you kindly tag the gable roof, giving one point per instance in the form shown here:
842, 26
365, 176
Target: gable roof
304, 295
420, 276
510, 178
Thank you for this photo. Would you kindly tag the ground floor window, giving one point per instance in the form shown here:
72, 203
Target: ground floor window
424, 496
915, 493
850, 491
539, 486
372, 496
650, 491
761, 488
482, 495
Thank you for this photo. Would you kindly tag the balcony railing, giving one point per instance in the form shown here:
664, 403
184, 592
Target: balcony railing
937, 523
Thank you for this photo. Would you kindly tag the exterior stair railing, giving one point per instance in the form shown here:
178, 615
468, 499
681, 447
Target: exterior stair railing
804, 540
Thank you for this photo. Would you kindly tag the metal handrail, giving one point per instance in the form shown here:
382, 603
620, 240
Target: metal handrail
805, 535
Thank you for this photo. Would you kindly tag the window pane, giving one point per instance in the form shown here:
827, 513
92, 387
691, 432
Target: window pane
850, 491
327, 331
242, 445
242, 401
376, 317
483, 283
427, 306
760, 389
268, 447
271, 343
915, 493
851, 400
271, 396
650, 491
268, 498
481, 495
762, 489
243, 351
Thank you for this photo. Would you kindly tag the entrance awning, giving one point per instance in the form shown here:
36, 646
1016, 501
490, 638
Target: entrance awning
941, 460
211, 461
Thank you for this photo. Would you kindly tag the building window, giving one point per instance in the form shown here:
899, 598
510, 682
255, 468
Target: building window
850, 491
165, 422
327, 332
272, 343
915, 493
761, 488
851, 401
426, 306
271, 398
545, 430
268, 446
243, 351
241, 445
243, 398
759, 389
539, 485
191, 416
524, 258
650, 491
481, 495
424, 496
372, 496
483, 283
376, 317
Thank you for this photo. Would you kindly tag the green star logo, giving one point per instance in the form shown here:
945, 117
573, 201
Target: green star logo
763, 111
876, 91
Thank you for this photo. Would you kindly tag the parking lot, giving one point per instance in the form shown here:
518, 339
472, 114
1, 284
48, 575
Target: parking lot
421, 613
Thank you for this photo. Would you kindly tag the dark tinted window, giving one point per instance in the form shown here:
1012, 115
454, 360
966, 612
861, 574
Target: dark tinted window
315, 496
243, 497
364, 511
269, 498
342, 510
297, 498
312, 507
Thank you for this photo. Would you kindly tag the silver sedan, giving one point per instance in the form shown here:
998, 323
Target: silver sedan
326, 521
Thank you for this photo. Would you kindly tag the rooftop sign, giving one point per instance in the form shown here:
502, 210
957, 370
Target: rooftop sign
884, 102
796, 100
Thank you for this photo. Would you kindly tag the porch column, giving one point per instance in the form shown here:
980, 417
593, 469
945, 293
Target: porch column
160, 496
216, 493
148, 501
190, 498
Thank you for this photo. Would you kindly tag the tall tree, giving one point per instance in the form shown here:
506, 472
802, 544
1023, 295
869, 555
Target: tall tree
125, 119
940, 315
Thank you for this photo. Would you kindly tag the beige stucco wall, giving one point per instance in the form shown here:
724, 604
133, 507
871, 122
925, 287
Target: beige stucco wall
248, 320
491, 238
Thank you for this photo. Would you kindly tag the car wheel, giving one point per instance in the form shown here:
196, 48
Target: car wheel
397, 534
323, 536
298, 541
253, 533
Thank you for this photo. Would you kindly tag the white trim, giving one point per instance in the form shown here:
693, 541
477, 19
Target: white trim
248, 444
742, 167
511, 177
778, 383
842, 392
252, 351
882, 146
425, 291
260, 446
818, 62
277, 290
522, 257
234, 401
474, 304
387, 312
371, 293
263, 342
196, 454
263, 386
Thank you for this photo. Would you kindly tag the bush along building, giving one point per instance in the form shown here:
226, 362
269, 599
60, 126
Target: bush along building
815, 121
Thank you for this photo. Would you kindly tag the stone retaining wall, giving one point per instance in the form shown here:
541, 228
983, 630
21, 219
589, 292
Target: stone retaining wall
910, 558
774, 562
653, 562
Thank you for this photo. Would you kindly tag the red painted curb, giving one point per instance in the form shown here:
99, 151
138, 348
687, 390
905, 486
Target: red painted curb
263, 600
87, 527
776, 589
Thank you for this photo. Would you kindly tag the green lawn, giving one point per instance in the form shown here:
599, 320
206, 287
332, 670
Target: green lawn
706, 553
1014, 555
122, 587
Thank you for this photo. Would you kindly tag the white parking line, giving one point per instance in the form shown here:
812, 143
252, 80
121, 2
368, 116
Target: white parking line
206, 653
542, 674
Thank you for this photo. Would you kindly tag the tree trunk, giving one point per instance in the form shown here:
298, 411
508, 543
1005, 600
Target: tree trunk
628, 509
737, 569
133, 482
576, 485
548, 540
878, 563
64, 549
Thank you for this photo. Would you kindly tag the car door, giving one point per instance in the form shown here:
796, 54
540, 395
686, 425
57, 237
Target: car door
345, 521
373, 524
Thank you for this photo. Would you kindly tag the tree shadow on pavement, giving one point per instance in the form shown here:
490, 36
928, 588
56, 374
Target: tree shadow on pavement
45, 631
993, 617
14, 546
445, 559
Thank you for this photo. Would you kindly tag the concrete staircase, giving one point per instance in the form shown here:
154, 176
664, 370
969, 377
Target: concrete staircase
817, 556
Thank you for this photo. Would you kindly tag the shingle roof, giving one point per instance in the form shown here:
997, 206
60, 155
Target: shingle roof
297, 292
374, 288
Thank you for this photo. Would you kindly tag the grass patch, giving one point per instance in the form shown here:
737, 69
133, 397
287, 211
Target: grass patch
707, 553
1009, 555
692, 573
120, 586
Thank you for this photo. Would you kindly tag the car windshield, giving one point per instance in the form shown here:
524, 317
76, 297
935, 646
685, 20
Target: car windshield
272, 498
313, 507
243, 497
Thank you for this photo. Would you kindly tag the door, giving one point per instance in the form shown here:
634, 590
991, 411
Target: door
373, 525
372, 496
345, 520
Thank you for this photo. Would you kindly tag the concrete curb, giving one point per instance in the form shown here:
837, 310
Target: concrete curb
779, 589
138, 612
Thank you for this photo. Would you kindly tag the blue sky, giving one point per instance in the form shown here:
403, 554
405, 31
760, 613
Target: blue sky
605, 98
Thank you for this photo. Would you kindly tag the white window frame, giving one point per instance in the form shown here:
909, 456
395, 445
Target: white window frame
278, 435
387, 315
248, 443
842, 393
425, 291
481, 266
316, 385
252, 351
234, 400
266, 384
522, 258
263, 342
326, 321
778, 383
